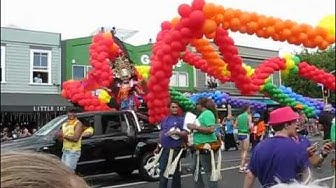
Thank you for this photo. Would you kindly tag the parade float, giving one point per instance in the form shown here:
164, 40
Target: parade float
114, 82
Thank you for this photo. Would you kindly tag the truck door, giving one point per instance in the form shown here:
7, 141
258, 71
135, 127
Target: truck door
119, 143
92, 160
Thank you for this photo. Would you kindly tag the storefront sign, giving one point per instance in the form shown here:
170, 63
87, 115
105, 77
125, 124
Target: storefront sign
145, 59
46, 108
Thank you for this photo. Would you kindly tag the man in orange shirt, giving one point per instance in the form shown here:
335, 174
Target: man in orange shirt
258, 129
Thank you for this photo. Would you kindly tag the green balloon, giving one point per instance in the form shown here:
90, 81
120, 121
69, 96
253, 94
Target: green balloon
296, 59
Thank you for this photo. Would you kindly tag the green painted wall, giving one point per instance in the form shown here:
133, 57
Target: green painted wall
76, 52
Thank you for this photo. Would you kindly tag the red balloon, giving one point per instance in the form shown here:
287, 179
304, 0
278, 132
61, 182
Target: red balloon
196, 19
184, 10
166, 25
197, 4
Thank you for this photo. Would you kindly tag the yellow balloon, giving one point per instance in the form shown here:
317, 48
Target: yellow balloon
290, 64
328, 23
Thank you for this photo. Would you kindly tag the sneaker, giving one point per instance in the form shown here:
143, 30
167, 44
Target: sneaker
242, 170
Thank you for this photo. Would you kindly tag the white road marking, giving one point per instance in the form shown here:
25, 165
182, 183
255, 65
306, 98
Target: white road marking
143, 182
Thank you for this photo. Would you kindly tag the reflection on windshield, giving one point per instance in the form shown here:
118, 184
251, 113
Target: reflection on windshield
49, 126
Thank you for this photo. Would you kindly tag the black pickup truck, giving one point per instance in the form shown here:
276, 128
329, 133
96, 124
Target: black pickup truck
123, 141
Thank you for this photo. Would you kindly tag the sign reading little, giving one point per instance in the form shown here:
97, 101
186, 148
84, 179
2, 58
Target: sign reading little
45, 108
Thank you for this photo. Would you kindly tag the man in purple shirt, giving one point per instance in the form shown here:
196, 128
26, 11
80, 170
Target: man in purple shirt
279, 158
172, 138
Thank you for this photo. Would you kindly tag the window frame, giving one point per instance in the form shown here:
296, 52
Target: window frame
187, 79
72, 72
206, 80
32, 51
3, 64
178, 73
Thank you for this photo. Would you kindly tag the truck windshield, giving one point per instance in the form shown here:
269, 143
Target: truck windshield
50, 126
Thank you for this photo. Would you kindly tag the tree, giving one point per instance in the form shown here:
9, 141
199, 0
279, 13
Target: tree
321, 59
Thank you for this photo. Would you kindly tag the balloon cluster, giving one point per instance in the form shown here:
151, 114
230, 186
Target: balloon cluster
222, 98
240, 103
185, 103
291, 66
103, 50
317, 75
77, 93
143, 71
268, 27
301, 99
208, 20
276, 94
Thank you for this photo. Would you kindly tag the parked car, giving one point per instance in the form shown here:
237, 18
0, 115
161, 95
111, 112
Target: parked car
123, 141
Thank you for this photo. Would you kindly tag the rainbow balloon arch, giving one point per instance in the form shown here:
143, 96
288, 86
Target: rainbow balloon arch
200, 25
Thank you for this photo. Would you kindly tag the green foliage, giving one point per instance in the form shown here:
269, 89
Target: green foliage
322, 59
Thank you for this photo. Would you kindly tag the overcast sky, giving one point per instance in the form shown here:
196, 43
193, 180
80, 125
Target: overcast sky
79, 18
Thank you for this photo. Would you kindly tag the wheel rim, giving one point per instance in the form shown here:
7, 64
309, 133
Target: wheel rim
153, 172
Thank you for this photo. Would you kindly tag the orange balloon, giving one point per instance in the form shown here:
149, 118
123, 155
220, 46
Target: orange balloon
289, 24
252, 27
235, 24
254, 16
210, 35
323, 45
220, 9
270, 30
244, 18
262, 22
226, 25
243, 29
261, 33
275, 37
321, 31
209, 26
219, 18
318, 40
330, 39
295, 29
175, 21
303, 37
271, 21
209, 10
279, 26
286, 33
228, 14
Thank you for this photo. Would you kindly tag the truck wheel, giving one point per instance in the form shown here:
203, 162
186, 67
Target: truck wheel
152, 174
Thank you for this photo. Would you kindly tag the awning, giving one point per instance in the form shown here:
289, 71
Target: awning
21, 102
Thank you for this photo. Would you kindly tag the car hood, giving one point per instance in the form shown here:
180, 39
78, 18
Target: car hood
29, 143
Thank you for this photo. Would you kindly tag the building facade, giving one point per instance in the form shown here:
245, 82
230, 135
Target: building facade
75, 55
30, 76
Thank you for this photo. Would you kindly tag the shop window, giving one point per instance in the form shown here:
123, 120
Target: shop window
173, 79
3, 64
179, 79
211, 82
78, 72
40, 61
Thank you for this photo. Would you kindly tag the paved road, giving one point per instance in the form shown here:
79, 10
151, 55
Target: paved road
231, 177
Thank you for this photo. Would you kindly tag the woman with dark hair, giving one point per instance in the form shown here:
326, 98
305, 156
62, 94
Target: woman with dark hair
206, 143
